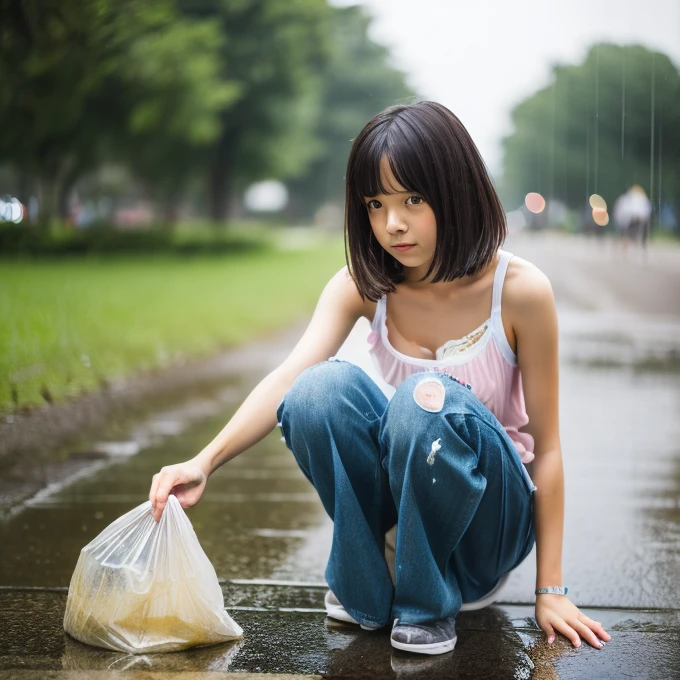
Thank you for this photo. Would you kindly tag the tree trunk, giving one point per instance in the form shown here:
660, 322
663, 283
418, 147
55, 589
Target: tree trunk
220, 178
69, 175
170, 210
63, 194
47, 198
219, 191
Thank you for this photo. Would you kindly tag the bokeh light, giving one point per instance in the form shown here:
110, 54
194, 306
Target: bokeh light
268, 196
597, 202
534, 202
11, 210
600, 217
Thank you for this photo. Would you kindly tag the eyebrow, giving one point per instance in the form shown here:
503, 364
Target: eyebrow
391, 193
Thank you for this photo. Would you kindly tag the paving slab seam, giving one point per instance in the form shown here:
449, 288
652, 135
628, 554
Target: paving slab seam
18, 674
500, 603
41, 589
266, 582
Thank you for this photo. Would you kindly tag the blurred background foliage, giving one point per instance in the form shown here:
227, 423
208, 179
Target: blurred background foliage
133, 133
190, 100
598, 128
149, 114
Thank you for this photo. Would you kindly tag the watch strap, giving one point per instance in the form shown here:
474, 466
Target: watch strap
552, 590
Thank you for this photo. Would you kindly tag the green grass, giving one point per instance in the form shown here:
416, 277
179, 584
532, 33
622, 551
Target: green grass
69, 325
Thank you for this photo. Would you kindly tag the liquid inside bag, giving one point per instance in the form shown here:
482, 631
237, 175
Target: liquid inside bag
143, 587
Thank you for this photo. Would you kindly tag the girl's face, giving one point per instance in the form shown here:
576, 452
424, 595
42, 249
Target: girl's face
403, 223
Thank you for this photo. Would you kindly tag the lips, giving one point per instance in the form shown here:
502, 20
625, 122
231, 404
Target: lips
403, 247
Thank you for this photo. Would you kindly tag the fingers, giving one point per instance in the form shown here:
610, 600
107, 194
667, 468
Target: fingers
164, 481
583, 628
549, 633
562, 616
185, 480
563, 627
587, 634
596, 627
154, 487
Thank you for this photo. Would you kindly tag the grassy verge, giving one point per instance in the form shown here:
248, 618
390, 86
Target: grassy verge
68, 325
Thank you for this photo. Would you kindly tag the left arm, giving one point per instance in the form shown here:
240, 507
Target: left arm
534, 322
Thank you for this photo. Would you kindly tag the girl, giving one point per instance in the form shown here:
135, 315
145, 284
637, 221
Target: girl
467, 334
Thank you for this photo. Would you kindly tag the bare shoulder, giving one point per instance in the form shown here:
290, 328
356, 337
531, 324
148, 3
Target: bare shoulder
526, 289
342, 291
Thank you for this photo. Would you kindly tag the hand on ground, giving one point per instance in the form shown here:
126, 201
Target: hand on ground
556, 613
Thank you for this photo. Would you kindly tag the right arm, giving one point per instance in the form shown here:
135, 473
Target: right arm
337, 310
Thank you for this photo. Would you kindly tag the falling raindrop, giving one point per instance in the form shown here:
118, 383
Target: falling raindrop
623, 104
651, 134
597, 116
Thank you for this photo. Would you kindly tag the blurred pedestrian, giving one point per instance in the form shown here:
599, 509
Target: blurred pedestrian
444, 459
632, 213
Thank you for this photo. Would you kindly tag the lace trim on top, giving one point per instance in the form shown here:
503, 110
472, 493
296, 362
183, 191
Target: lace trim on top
451, 353
455, 347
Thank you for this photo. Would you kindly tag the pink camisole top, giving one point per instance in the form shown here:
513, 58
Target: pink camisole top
483, 359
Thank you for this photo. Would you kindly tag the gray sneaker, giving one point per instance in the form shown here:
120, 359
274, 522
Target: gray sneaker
434, 637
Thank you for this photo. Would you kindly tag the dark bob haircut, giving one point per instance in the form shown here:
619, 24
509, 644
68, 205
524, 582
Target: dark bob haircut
430, 153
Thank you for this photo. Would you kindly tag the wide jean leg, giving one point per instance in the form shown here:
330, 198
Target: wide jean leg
448, 471
330, 420
464, 500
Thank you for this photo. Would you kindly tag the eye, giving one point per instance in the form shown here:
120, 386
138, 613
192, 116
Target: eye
373, 204
415, 200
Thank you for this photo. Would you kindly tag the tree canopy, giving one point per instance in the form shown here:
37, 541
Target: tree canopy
599, 127
219, 92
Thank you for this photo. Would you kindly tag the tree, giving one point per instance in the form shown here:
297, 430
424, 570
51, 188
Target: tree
358, 83
274, 50
88, 79
599, 127
171, 78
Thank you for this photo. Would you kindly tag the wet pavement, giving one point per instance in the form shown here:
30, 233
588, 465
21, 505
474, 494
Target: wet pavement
265, 531
286, 632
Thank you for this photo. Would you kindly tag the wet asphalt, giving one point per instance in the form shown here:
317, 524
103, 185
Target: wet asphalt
265, 531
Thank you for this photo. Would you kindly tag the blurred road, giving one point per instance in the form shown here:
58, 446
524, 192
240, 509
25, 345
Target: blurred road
265, 531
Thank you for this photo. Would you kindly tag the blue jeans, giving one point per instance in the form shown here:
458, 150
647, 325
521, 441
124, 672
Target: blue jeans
451, 477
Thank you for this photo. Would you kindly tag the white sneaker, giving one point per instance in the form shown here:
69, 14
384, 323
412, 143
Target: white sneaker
335, 610
488, 599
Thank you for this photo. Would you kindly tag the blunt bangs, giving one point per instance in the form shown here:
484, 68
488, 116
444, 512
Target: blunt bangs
430, 153
388, 141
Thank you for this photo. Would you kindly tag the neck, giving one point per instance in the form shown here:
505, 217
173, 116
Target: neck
413, 279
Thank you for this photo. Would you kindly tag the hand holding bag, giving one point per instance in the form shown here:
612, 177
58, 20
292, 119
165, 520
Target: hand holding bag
142, 587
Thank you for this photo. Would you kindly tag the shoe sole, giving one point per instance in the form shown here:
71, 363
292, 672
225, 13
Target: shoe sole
432, 648
488, 599
341, 616
338, 613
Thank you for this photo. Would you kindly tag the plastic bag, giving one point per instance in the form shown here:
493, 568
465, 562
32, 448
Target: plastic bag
143, 587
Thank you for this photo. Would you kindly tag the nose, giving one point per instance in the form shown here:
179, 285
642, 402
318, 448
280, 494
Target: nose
395, 224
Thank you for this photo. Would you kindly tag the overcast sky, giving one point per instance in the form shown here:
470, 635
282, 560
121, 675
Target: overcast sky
481, 57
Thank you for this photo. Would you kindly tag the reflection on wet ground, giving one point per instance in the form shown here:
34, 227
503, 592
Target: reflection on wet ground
621, 443
243, 521
286, 632
260, 519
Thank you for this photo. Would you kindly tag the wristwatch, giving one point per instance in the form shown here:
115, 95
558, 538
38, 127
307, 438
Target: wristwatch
552, 590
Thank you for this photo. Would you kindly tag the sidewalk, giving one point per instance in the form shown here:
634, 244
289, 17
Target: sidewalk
288, 635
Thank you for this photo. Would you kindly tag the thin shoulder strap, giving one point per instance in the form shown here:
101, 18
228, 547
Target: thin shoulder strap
496, 319
379, 316
498, 279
